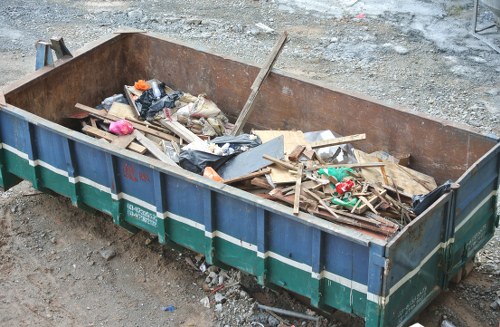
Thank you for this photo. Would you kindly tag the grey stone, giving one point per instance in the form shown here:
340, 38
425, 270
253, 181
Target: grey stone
107, 254
401, 50
218, 307
494, 305
219, 298
135, 14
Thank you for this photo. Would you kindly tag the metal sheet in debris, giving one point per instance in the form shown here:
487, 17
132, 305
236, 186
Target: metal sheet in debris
251, 160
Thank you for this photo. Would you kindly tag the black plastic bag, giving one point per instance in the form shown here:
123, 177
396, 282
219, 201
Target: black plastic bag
423, 201
196, 161
149, 106
238, 143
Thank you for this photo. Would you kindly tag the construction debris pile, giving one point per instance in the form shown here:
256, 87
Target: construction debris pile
315, 172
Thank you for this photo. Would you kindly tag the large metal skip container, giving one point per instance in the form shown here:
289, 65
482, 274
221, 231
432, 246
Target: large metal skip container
385, 281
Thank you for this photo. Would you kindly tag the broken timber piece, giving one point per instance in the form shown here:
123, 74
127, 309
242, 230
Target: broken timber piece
110, 137
261, 182
249, 176
122, 110
368, 203
279, 162
325, 205
354, 165
130, 99
296, 200
123, 141
296, 153
181, 131
153, 148
247, 109
103, 114
338, 141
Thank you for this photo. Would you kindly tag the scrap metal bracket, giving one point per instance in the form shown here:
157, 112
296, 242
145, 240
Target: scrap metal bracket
44, 54
475, 31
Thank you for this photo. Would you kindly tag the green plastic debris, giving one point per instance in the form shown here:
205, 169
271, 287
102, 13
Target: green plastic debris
337, 173
349, 203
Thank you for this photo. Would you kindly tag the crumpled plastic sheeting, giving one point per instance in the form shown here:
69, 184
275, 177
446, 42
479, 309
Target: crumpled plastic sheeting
196, 161
424, 201
148, 105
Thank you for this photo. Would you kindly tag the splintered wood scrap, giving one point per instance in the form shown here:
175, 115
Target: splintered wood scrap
354, 165
279, 162
153, 148
325, 205
338, 141
384, 230
368, 204
103, 114
249, 176
358, 217
296, 153
180, 130
261, 182
247, 108
90, 130
296, 201
123, 141
130, 99
381, 219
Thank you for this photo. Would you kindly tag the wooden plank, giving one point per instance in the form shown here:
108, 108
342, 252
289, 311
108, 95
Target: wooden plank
153, 148
123, 141
355, 165
247, 109
410, 181
122, 110
296, 200
181, 131
291, 140
279, 162
249, 176
131, 100
110, 137
325, 205
103, 114
261, 182
296, 153
338, 141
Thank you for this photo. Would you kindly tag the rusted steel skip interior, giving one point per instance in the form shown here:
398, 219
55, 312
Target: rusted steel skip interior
285, 102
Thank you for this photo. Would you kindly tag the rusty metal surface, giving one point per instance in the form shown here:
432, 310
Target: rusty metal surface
437, 148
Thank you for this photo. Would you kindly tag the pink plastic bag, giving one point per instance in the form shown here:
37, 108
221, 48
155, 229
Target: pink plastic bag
121, 127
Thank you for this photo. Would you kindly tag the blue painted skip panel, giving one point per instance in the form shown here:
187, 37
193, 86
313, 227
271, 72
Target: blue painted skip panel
91, 163
477, 183
13, 131
183, 198
235, 218
420, 239
346, 258
289, 238
50, 147
135, 180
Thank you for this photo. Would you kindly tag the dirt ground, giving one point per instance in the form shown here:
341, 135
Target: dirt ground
415, 54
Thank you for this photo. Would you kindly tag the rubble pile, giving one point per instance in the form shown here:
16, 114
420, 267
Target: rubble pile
316, 172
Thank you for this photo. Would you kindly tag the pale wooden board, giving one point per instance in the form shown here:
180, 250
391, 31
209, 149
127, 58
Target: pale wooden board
291, 140
122, 110
123, 141
411, 181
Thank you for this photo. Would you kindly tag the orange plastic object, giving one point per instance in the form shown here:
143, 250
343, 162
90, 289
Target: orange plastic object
141, 85
209, 172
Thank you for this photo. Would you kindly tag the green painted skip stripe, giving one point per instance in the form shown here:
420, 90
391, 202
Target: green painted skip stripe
304, 267
216, 234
